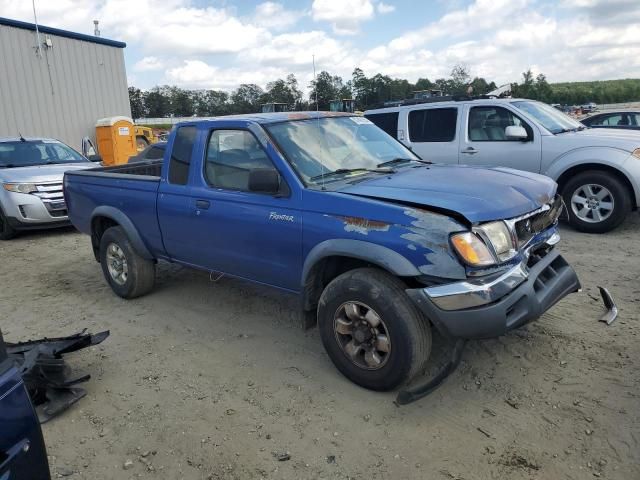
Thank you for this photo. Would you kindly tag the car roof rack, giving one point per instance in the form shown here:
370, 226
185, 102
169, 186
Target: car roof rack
438, 99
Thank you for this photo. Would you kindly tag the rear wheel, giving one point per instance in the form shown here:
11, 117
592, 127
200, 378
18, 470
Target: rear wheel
371, 330
128, 274
7, 232
596, 201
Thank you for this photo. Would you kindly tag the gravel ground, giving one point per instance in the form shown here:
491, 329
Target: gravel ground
204, 380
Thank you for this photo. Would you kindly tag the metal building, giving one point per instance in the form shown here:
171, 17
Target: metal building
55, 83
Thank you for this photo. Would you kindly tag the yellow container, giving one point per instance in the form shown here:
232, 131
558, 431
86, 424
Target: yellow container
116, 140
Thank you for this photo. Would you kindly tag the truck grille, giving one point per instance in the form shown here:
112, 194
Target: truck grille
53, 198
529, 226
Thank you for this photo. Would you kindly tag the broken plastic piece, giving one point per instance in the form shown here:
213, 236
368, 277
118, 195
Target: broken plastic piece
45, 373
612, 309
412, 394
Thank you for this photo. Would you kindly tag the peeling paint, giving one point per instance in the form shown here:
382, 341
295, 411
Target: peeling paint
363, 225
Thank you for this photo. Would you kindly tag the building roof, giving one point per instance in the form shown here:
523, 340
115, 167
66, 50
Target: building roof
61, 33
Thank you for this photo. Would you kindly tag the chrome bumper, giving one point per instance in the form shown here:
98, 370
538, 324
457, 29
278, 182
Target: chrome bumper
484, 290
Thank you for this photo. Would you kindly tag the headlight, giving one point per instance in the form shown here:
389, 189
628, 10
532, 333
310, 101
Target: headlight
20, 187
472, 249
636, 153
500, 239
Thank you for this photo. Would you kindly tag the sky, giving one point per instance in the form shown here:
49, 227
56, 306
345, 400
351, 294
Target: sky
219, 44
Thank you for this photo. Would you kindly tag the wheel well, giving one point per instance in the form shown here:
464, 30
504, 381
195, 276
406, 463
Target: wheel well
324, 271
99, 225
564, 178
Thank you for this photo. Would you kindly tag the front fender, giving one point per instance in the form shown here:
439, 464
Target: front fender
377, 254
130, 229
609, 156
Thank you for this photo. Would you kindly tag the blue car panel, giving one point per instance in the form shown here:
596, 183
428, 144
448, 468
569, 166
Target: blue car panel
22, 452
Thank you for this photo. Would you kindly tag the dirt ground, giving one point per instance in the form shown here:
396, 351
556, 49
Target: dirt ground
204, 380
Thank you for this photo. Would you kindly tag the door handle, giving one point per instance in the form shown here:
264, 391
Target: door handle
469, 151
203, 204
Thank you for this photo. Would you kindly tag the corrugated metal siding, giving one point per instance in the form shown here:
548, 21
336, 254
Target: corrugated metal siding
62, 94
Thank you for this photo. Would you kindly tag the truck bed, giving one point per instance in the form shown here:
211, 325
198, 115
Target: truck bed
130, 189
151, 169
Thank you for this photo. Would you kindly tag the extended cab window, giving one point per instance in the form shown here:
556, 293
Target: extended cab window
386, 121
181, 155
488, 124
433, 125
231, 155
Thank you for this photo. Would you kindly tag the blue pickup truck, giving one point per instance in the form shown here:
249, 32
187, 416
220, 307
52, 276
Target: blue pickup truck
380, 245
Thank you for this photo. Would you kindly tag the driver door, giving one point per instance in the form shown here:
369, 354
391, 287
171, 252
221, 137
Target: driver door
483, 141
248, 234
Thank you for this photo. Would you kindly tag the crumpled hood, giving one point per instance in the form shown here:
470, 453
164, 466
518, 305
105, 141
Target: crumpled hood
477, 193
40, 173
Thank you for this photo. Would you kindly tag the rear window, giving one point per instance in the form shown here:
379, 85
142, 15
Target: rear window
386, 121
433, 125
181, 155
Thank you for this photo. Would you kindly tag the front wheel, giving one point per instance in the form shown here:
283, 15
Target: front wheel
7, 232
128, 274
371, 330
596, 201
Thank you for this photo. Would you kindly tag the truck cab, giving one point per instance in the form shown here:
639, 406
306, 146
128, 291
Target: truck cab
598, 172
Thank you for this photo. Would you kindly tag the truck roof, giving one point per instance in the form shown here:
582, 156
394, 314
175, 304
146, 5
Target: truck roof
273, 117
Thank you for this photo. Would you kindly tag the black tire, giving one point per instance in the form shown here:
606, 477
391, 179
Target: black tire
619, 192
7, 232
409, 332
141, 272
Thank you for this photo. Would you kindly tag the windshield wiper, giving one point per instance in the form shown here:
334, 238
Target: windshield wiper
395, 161
348, 170
7, 165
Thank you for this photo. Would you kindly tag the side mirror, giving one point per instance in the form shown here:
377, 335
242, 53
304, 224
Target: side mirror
515, 132
94, 158
264, 180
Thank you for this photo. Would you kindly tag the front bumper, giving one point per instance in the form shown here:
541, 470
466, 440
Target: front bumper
516, 297
42, 209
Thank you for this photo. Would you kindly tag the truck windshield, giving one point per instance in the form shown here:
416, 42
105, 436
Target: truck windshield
551, 118
37, 152
334, 148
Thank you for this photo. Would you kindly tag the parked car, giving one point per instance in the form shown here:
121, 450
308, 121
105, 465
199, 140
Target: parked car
31, 173
152, 152
22, 451
623, 120
588, 107
378, 245
597, 171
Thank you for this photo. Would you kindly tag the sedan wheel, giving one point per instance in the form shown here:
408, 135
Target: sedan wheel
592, 203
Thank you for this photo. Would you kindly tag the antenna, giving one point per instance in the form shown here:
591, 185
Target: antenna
35, 18
315, 87
96, 30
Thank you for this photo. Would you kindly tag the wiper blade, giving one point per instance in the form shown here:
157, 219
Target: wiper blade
348, 170
395, 161
7, 165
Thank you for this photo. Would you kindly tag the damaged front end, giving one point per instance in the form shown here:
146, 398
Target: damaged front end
45, 373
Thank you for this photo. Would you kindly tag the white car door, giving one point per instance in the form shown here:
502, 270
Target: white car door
432, 132
484, 142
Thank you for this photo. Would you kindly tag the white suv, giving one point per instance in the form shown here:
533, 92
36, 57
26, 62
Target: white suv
597, 170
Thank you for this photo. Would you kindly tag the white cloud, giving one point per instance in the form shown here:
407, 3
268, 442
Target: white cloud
384, 8
274, 15
148, 64
197, 46
344, 15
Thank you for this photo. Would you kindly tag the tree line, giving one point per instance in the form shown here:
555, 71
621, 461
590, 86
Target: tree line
368, 92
